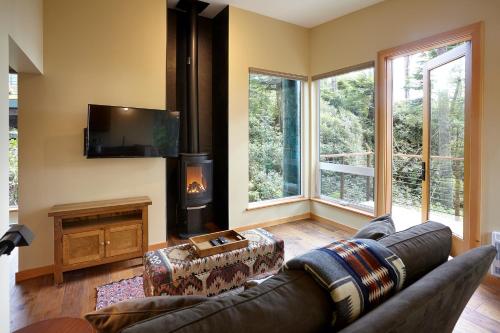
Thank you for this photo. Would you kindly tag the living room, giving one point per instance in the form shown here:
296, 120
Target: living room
312, 119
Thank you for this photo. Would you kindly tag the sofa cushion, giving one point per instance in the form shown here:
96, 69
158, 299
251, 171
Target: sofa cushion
288, 302
422, 248
115, 317
377, 228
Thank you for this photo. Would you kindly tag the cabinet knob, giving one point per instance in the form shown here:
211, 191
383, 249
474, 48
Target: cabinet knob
108, 242
102, 243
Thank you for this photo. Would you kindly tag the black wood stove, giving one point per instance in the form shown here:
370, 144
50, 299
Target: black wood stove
195, 190
196, 180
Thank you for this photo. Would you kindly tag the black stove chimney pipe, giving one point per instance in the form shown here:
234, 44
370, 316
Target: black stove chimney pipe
192, 78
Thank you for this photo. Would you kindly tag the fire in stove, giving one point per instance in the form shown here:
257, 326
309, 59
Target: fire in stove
195, 180
196, 175
195, 187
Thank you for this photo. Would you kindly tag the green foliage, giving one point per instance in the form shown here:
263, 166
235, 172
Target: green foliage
274, 132
347, 124
347, 113
266, 138
13, 173
447, 128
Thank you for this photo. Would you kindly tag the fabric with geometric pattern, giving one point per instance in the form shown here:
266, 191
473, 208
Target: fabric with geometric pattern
178, 270
359, 274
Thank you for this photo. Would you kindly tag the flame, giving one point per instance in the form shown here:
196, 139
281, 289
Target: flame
195, 187
194, 180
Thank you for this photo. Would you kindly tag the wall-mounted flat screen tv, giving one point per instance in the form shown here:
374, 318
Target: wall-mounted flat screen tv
116, 131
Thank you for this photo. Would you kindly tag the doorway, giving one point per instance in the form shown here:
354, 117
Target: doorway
429, 123
428, 95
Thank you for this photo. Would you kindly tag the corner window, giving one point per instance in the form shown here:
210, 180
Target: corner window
346, 172
274, 137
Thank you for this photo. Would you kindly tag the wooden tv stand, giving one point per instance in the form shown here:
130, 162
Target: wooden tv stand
98, 232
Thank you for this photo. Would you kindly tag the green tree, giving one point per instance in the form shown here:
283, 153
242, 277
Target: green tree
266, 138
13, 173
446, 138
347, 118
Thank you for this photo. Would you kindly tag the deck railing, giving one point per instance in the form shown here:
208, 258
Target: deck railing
446, 178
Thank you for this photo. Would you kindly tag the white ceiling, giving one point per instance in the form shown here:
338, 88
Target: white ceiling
306, 13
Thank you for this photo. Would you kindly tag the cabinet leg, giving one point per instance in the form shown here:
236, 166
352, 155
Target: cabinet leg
58, 277
58, 251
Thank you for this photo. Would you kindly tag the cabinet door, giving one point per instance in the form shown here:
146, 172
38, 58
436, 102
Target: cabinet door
123, 240
83, 246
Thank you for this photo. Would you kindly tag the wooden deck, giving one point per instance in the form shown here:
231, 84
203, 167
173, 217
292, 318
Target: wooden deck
39, 299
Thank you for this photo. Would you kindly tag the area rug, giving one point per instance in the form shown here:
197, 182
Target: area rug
122, 290
111, 293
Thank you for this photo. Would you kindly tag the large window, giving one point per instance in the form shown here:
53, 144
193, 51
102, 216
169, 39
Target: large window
347, 137
274, 136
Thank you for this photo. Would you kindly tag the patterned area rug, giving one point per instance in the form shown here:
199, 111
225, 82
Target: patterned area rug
122, 290
111, 293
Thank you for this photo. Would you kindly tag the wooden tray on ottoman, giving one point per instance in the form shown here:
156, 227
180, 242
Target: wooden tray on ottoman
205, 249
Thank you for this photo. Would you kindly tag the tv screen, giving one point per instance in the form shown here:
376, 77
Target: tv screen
115, 131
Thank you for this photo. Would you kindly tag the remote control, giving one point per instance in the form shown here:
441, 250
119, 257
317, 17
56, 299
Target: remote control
223, 240
215, 242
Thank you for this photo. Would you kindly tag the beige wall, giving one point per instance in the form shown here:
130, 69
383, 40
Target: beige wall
4, 170
28, 46
26, 29
357, 38
262, 42
103, 52
113, 52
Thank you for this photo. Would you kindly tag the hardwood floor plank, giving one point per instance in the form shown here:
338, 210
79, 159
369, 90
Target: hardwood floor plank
490, 309
489, 324
467, 326
38, 299
73, 291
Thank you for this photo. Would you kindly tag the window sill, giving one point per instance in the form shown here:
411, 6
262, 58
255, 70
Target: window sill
277, 202
347, 208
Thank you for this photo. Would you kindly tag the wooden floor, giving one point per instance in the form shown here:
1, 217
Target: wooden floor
38, 299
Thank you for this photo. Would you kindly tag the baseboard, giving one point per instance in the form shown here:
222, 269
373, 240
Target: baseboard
48, 270
157, 246
492, 280
334, 223
274, 222
34, 273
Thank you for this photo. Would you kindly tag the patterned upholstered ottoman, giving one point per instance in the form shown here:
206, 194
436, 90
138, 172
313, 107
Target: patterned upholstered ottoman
178, 270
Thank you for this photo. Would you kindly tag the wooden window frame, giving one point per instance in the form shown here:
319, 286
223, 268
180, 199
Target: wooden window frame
288, 76
303, 87
317, 197
474, 34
